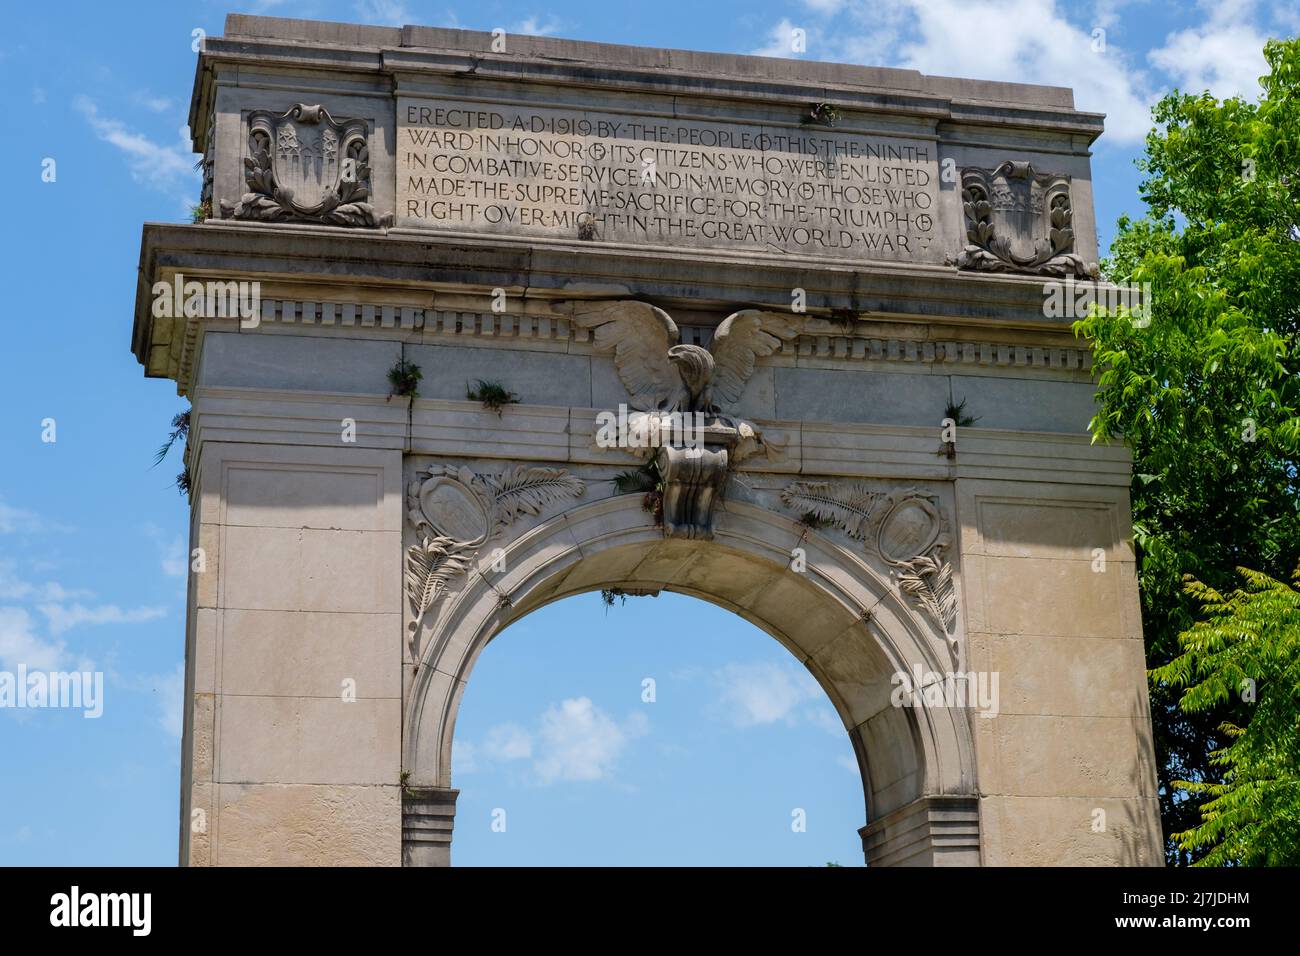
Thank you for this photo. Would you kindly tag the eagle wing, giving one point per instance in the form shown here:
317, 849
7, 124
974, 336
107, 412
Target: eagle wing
640, 336
739, 340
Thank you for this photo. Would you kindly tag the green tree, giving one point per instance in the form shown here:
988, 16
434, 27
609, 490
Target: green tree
1205, 387
1247, 646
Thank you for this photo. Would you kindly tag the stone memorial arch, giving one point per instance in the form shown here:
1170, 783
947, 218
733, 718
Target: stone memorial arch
799, 306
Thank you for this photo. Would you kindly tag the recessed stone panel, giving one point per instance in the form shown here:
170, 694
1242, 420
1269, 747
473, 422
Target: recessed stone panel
507, 169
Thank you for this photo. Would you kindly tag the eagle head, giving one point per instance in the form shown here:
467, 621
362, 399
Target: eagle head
695, 365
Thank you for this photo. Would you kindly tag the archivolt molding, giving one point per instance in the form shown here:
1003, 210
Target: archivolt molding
549, 561
455, 510
907, 529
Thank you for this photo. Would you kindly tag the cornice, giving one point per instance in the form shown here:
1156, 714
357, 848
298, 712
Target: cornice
339, 260
388, 54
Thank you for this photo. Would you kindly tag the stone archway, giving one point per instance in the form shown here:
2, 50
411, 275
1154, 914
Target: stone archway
839, 617
902, 400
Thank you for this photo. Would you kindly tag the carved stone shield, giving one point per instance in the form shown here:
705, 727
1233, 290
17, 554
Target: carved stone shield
909, 529
306, 165
1019, 220
307, 147
454, 510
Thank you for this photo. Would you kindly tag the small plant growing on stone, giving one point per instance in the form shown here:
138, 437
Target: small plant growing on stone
201, 211
846, 319
647, 481
609, 595
822, 114
180, 431
811, 519
493, 395
404, 379
587, 228
958, 414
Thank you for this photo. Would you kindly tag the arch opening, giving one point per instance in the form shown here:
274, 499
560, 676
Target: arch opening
658, 731
839, 617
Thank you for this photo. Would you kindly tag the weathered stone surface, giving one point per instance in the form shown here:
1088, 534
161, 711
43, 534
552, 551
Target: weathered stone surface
618, 177
791, 262
268, 825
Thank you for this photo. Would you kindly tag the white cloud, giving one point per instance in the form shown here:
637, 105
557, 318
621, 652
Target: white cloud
63, 617
13, 588
574, 741
1035, 44
579, 741
386, 13
163, 167
17, 520
154, 104
1225, 55
534, 27
19, 644
508, 742
779, 41
764, 693
464, 757
1105, 13
826, 7
172, 554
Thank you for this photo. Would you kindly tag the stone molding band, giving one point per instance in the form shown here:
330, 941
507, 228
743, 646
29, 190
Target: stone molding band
428, 815
466, 326
931, 831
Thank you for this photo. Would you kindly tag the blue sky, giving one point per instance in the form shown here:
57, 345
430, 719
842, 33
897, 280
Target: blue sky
553, 729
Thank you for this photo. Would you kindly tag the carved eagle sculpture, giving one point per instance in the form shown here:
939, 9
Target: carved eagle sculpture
662, 375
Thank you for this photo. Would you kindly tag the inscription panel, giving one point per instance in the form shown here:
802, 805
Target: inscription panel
518, 170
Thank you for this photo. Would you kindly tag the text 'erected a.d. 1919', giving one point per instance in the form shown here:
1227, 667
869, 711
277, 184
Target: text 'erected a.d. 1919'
629, 179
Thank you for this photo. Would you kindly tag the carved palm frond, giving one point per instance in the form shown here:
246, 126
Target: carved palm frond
929, 581
430, 566
525, 490
848, 508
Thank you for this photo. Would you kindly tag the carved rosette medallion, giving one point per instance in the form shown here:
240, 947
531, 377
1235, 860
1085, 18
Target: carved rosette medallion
306, 166
456, 510
906, 528
1019, 220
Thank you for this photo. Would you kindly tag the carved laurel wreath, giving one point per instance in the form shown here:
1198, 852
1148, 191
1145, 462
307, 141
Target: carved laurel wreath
907, 529
455, 510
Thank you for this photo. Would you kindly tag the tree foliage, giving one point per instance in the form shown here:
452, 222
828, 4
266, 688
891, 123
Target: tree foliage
1247, 646
1206, 389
